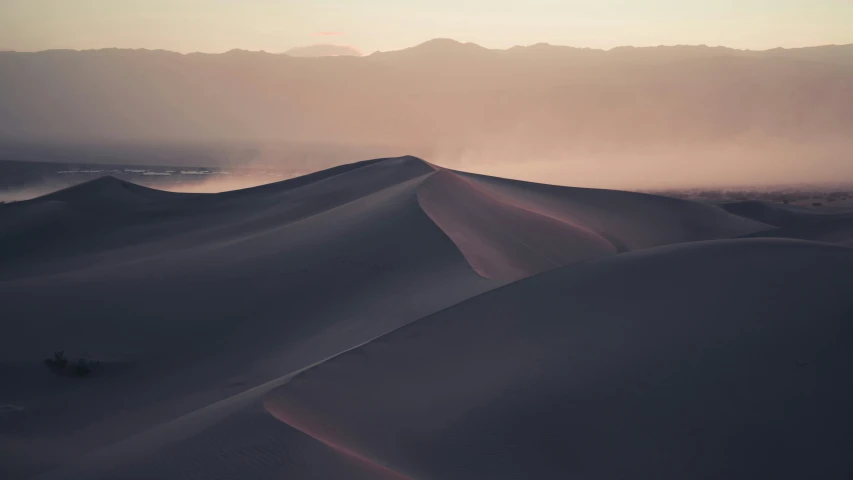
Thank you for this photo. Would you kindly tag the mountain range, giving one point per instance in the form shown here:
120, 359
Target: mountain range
440, 91
774, 115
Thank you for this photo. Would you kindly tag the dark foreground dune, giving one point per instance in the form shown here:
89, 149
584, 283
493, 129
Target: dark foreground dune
392, 319
712, 360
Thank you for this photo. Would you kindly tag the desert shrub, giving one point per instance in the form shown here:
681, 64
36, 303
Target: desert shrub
81, 369
58, 362
60, 365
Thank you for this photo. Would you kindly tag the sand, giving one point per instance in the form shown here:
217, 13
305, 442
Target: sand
830, 224
394, 319
723, 359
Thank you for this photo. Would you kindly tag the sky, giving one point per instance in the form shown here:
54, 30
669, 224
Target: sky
370, 25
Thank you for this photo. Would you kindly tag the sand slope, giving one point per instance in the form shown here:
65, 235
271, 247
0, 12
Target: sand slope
198, 305
101, 218
207, 297
827, 224
510, 230
499, 239
723, 359
631, 221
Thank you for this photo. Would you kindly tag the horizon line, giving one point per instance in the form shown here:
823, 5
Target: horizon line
619, 47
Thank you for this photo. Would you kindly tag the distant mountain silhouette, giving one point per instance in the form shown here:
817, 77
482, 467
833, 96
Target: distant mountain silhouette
439, 47
450, 96
324, 50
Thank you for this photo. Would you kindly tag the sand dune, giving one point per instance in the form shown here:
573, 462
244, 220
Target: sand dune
712, 360
109, 192
197, 305
782, 215
477, 222
833, 225
106, 214
511, 230
180, 218
631, 221
187, 302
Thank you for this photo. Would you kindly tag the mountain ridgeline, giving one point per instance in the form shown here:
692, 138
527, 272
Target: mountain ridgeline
441, 93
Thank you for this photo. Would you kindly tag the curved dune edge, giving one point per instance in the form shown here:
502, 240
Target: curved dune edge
352, 254
387, 207
112, 190
326, 438
509, 230
326, 404
502, 241
790, 221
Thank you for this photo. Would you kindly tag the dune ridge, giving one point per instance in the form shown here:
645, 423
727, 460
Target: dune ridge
477, 222
833, 225
203, 307
547, 378
180, 299
511, 230
506, 230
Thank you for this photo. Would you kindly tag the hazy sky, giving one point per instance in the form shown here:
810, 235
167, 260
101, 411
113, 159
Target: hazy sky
277, 25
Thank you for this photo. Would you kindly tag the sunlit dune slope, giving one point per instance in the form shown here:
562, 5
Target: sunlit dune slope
509, 229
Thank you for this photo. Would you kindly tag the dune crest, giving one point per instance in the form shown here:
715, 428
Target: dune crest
358, 305
108, 191
509, 230
502, 241
834, 225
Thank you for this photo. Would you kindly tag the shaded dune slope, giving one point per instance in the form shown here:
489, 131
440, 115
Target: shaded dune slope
83, 209
109, 192
824, 225
722, 359
214, 299
770, 213
506, 229
52, 233
191, 299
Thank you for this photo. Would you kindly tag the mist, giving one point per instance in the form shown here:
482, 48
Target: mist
624, 118
378, 285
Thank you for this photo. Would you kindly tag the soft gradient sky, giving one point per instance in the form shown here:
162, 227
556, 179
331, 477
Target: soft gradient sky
277, 25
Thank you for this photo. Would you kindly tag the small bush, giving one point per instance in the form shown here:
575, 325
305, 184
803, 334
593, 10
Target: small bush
82, 368
58, 362
60, 365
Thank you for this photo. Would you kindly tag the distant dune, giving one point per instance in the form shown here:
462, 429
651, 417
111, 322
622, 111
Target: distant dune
830, 225
396, 319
